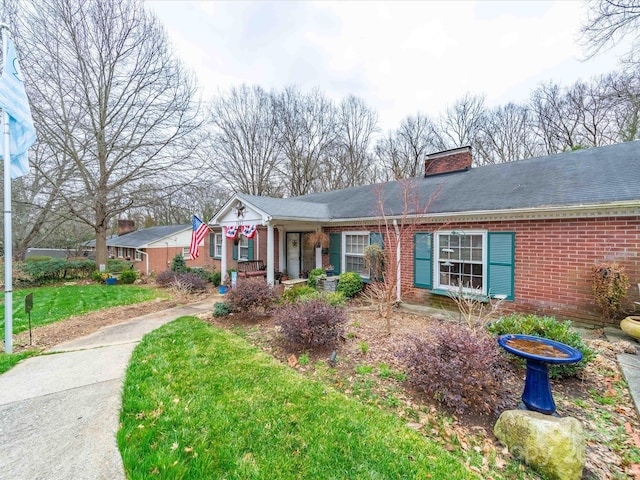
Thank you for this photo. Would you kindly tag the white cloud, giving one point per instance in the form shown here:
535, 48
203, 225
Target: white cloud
400, 57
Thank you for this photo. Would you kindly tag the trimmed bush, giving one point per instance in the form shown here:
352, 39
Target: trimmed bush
251, 293
128, 277
309, 324
300, 292
221, 309
458, 368
55, 270
313, 275
216, 278
349, 283
38, 258
115, 265
546, 327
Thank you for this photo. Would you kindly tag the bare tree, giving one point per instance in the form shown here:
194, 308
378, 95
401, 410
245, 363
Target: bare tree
505, 135
460, 124
555, 122
608, 22
402, 153
110, 101
244, 141
349, 164
307, 130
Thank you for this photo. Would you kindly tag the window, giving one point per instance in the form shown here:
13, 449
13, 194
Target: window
120, 252
217, 252
138, 256
460, 259
186, 252
243, 248
354, 245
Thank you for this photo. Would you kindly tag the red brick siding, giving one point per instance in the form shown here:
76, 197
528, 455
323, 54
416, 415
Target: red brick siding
448, 163
553, 261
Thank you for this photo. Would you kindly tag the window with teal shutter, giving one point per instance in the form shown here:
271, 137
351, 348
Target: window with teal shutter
335, 252
422, 260
251, 247
234, 251
501, 259
212, 244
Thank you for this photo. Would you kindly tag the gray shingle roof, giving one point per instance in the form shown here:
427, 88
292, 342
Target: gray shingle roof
593, 176
145, 236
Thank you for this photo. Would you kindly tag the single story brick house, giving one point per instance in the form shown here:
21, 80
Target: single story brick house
529, 230
151, 250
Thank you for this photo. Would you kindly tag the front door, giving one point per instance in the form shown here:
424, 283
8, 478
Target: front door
300, 256
293, 254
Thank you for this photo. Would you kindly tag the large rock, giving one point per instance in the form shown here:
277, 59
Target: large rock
553, 446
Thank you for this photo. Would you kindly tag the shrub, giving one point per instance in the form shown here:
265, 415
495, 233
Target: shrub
178, 264
251, 293
96, 276
609, 287
349, 283
334, 298
164, 279
202, 273
56, 269
216, 278
188, 282
128, 277
310, 324
313, 275
547, 327
458, 367
115, 265
221, 309
296, 293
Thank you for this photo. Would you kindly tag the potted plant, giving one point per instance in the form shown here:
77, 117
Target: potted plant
317, 239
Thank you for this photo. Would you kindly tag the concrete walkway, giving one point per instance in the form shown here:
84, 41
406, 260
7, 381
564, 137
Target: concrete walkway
59, 413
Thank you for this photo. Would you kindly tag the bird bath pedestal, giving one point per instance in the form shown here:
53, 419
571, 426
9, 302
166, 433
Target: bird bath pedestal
539, 353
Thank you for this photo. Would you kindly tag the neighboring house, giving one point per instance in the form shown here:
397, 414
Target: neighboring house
529, 230
153, 249
47, 252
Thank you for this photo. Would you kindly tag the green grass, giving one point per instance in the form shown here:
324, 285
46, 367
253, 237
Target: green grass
7, 362
200, 402
51, 304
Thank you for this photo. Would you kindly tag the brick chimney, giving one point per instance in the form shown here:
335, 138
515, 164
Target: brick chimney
126, 226
455, 160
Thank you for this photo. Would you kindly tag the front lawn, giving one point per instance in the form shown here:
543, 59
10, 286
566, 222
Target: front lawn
51, 304
200, 402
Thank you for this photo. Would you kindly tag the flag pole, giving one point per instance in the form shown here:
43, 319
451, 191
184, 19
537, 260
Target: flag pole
8, 254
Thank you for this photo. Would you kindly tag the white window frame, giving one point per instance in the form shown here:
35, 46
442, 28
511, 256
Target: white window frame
243, 248
186, 252
344, 254
137, 255
437, 254
217, 245
120, 252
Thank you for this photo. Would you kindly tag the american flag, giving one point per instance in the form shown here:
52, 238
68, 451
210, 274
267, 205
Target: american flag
199, 230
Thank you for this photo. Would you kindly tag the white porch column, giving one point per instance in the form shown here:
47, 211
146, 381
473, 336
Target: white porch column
223, 259
270, 255
282, 236
319, 257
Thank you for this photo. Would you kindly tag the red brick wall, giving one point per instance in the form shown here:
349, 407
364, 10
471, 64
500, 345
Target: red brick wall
553, 261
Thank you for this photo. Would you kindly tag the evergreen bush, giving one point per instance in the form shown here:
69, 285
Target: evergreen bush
349, 283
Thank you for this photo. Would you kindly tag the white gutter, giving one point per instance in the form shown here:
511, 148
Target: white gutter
398, 263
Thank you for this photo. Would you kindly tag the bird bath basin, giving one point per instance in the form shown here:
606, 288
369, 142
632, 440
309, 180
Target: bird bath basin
539, 353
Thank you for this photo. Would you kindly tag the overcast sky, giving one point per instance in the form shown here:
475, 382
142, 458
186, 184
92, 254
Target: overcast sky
399, 57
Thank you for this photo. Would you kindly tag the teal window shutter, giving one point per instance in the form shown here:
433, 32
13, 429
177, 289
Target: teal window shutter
422, 260
501, 264
335, 251
212, 244
250, 243
376, 238
234, 251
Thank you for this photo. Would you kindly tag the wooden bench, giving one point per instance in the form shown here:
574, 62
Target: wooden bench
251, 268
